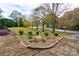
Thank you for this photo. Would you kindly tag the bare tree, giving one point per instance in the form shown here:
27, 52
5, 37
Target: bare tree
41, 13
35, 18
17, 16
55, 9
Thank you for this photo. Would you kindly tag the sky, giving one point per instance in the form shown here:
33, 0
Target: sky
25, 6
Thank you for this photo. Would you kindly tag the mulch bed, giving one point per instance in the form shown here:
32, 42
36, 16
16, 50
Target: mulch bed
42, 44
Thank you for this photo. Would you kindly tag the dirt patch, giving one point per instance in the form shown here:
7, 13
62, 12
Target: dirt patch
11, 46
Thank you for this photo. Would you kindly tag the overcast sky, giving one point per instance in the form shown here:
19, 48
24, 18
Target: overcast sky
23, 6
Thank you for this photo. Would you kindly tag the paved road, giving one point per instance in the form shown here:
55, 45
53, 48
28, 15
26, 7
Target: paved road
69, 31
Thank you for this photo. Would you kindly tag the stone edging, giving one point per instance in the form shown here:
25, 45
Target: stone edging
47, 46
52, 45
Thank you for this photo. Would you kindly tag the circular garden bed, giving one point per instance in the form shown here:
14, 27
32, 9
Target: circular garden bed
42, 43
39, 41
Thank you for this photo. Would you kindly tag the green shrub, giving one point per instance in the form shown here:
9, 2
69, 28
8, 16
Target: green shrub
30, 35
46, 34
20, 32
7, 22
56, 34
25, 23
37, 33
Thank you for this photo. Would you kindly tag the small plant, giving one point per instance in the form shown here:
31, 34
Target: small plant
56, 34
30, 35
20, 32
37, 33
46, 34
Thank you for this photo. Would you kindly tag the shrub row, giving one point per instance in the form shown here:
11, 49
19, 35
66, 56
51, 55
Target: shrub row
37, 33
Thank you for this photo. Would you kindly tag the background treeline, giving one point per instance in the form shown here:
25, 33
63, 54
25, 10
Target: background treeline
11, 23
70, 19
7, 22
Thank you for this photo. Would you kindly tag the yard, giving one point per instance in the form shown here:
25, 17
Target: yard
47, 38
11, 46
46, 31
33, 30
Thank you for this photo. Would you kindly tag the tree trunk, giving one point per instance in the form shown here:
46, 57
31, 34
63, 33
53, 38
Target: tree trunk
54, 23
43, 25
32, 26
37, 27
53, 27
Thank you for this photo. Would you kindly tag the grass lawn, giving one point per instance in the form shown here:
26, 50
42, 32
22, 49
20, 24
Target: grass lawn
26, 30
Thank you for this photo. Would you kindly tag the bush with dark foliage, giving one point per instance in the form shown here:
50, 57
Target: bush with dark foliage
30, 35
46, 34
37, 33
56, 34
7, 22
21, 32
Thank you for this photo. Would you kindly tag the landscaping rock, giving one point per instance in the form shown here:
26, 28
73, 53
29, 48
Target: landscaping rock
38, 38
